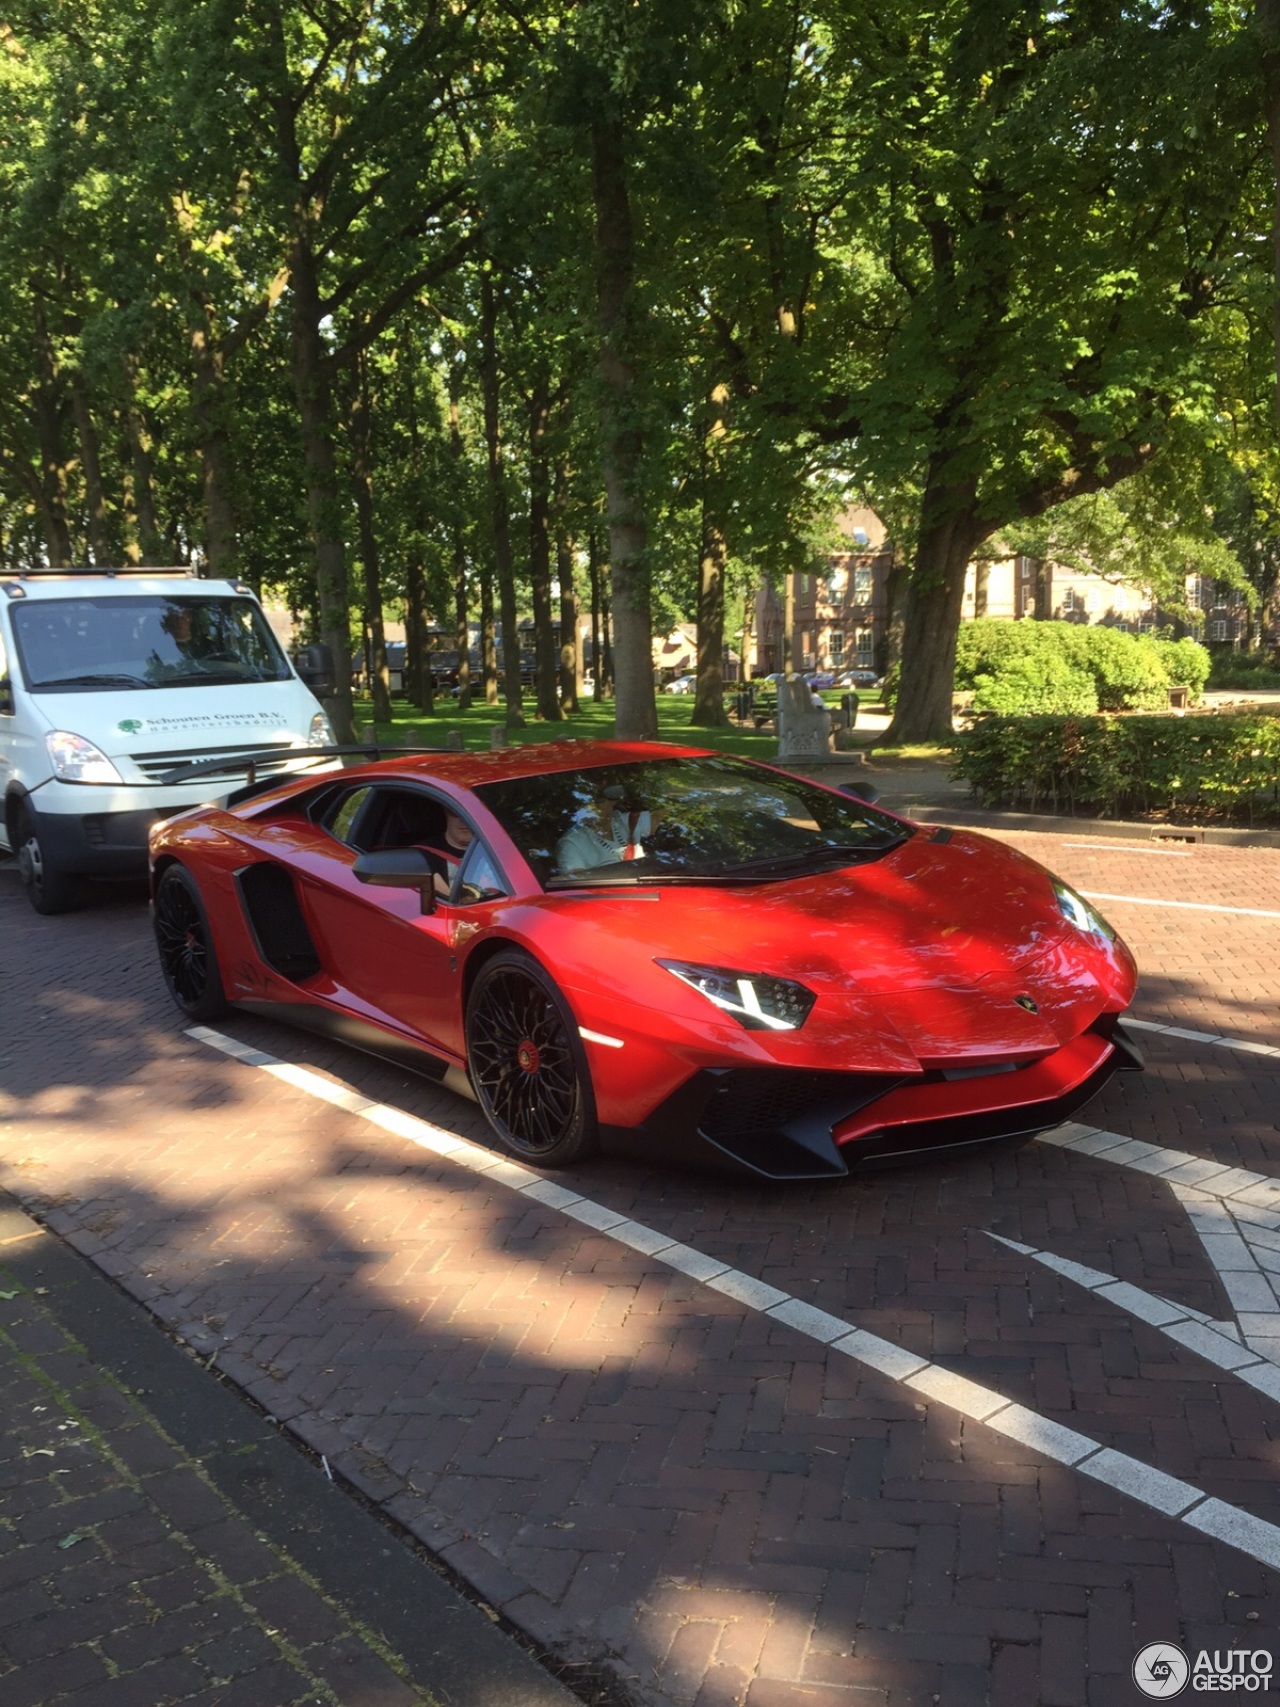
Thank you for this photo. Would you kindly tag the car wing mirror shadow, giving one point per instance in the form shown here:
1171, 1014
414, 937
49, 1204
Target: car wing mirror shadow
399, 868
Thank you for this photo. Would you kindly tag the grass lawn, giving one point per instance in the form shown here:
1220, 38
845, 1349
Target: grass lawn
409, 727
593, 722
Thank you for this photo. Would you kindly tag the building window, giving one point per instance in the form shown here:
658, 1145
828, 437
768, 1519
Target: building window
866, 644
1073, 603
1218, 629
837, 646
862, 585
1024, 568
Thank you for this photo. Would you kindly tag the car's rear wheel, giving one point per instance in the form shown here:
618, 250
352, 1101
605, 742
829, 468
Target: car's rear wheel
527, 1063
49, 888
185, 943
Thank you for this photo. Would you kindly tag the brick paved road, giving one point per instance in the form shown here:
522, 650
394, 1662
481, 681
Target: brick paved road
629, 1463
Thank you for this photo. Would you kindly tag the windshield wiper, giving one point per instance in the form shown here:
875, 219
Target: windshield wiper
810, 858
202, 678
101, 680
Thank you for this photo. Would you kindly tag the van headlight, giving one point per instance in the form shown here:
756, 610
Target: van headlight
321, 732
76, 760
757, 1001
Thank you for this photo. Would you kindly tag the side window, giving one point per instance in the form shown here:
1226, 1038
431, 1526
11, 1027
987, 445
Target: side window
6, 685
479, 879
342, 821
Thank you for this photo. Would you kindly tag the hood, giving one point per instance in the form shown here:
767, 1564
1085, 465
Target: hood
923, 952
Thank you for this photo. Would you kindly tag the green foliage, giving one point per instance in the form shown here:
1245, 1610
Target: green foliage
1187, 767
1239, 670
1029, 685
1187, 663
1030, 667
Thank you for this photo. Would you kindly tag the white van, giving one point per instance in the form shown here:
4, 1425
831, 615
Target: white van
110, 679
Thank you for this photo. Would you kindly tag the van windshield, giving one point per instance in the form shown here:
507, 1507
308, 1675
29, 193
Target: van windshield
99, 645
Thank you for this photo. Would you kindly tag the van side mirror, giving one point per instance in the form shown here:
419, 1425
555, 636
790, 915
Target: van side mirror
315, 666
398, 868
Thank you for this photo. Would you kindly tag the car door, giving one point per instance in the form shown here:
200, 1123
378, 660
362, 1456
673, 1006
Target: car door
390, 961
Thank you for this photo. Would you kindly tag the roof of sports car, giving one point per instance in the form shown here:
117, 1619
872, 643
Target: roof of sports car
469, 770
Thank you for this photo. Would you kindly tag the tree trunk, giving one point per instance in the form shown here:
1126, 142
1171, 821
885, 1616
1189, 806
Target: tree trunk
488, 642
208, 407
142, 474
462, 628
708, 709
95, 497
949, 533
53, 465
1268, 22
544, 639
362, 486
593, 576
570, 609
1042, 572
498, 508
636, 714
897, 580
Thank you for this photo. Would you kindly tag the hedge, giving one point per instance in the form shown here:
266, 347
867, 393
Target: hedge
1192, 768
1072, 668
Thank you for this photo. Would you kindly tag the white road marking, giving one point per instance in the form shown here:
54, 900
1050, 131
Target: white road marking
1237, 1216
1192, 906
1248, 1534
1247, 1044
1128, 847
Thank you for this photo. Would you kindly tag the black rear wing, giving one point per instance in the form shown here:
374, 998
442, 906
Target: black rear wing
286, 763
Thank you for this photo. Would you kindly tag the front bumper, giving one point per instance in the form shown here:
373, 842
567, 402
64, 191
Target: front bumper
791, 1124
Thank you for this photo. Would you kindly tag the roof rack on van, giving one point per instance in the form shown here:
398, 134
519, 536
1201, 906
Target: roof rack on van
11, 579
44, 573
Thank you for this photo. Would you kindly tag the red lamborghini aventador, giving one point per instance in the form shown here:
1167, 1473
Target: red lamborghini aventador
653, 949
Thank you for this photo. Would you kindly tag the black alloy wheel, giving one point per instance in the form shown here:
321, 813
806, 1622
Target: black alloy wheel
185, 943
527, 1064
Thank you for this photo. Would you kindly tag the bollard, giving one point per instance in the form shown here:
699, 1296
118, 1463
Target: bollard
453, 741
497, 737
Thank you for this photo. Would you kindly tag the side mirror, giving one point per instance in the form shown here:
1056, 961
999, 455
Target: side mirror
398, 868
861, 791
315, 666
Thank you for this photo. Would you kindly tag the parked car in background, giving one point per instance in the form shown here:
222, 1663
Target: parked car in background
858, 679
110, 679
682, 684
820, 679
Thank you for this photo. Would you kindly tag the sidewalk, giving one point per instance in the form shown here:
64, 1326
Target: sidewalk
162, 1543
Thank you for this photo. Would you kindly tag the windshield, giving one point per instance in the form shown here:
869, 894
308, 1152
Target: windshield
683, 820
94, 645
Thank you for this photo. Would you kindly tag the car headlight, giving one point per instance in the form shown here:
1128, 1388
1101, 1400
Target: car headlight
756, 1001
76, 760
321, 732
1084, 917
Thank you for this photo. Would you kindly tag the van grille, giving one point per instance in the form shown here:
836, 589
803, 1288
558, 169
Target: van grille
156, 764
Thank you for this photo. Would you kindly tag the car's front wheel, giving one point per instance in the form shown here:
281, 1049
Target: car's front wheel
185, 944
527, 1063
49, 888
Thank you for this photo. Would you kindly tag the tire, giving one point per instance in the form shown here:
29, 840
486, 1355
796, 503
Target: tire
185, 945
527, 1063
49, 888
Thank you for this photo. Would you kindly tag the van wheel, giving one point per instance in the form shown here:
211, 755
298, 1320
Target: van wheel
49, 888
